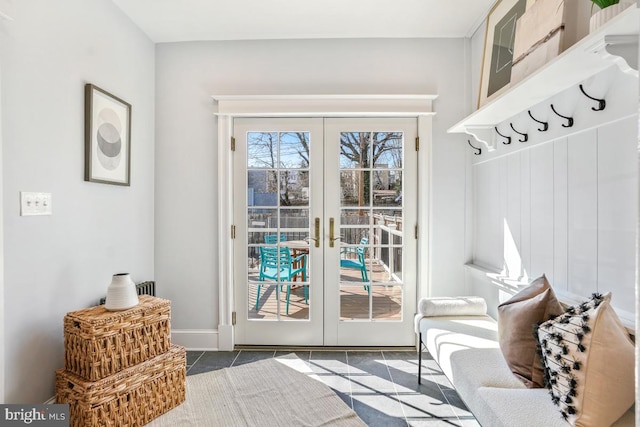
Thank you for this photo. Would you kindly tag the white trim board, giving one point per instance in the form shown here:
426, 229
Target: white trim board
324, 105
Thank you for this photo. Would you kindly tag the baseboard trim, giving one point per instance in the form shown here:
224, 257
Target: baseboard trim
50, 401
196, 339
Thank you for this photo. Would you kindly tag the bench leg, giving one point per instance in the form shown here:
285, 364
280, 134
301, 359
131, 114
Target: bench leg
420, 358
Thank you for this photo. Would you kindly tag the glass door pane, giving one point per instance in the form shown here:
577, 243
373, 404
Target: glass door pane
278, 225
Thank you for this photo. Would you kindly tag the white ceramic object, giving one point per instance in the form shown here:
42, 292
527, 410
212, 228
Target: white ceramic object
121, 294
603, 15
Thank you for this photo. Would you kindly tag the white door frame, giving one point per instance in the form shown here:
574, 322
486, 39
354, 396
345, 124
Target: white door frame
231, 106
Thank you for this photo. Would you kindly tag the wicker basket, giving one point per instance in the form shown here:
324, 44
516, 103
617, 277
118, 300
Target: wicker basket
99, 343
132, 397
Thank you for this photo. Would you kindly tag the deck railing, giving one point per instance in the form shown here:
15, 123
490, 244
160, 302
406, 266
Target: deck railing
388, 244
385, 243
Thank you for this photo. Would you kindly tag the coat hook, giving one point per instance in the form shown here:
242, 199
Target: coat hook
478, 150
569, 119
525, 136
545, 125
508, 138
601, 102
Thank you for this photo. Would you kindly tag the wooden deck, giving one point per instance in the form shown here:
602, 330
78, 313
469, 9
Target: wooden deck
384, 302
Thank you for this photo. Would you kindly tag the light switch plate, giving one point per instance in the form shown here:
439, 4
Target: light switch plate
35, 203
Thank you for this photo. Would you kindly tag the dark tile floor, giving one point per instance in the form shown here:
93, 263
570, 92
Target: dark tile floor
381, 386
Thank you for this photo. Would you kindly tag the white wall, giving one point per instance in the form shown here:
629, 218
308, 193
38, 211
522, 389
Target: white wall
2, 310
637, 299
187, 74
64, 262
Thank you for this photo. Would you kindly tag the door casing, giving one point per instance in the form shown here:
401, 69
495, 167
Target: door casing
228, 107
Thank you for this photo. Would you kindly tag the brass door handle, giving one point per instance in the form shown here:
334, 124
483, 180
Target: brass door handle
332, 226
316, 227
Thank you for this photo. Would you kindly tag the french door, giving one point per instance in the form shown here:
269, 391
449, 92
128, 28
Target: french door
325, 213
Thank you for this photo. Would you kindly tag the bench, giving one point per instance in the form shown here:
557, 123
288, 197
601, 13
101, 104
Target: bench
464, 343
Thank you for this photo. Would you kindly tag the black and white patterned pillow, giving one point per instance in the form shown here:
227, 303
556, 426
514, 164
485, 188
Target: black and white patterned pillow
588, 346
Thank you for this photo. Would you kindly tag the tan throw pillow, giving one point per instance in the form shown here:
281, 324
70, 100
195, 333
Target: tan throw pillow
518, 319
589, 360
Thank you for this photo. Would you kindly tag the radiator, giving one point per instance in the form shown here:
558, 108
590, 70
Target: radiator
146, 288
143, 288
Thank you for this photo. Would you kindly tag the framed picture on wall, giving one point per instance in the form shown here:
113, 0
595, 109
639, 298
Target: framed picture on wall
495, 73
107, 130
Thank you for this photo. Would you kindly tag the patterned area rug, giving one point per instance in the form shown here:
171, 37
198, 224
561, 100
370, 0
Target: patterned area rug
272, 392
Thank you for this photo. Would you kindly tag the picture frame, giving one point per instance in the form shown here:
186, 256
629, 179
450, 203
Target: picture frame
495, 74
107, 137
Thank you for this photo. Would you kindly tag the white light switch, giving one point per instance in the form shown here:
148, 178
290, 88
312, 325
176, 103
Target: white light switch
35, 203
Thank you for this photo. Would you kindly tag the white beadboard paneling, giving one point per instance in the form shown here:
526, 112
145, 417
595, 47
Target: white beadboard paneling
501, 187
525, 201
617, 211
541, 220
488, 221
582, 213
560, 207
512, 241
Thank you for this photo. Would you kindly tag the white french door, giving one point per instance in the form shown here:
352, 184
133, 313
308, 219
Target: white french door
371, 198
278, 196
325, 211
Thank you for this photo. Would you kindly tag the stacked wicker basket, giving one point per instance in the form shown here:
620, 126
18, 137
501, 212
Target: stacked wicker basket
120, 367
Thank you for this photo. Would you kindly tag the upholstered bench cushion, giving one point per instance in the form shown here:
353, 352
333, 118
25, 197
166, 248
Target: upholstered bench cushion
446, 335
481, 367
467, 351
508, 407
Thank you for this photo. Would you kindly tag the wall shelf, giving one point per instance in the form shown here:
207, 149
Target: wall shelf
616, 42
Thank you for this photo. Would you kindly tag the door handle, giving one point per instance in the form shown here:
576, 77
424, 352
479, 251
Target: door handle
316, 227
332, 226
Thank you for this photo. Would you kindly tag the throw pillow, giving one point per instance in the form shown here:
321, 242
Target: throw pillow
589, 363
517, 320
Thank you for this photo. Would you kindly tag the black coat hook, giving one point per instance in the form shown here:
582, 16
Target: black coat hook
545, 125
569, 119
478, 150
601, 102
525, 136
508, 138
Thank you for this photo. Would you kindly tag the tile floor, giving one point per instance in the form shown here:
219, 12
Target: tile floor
381, 385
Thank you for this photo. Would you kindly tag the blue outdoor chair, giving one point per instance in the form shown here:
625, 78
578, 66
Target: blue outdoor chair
272, 239
359, 263
278, 265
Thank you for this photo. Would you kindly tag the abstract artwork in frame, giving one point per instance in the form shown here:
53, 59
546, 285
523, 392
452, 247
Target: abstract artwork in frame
107, 137
499, 38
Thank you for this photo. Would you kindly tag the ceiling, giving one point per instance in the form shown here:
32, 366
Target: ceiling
189, 20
